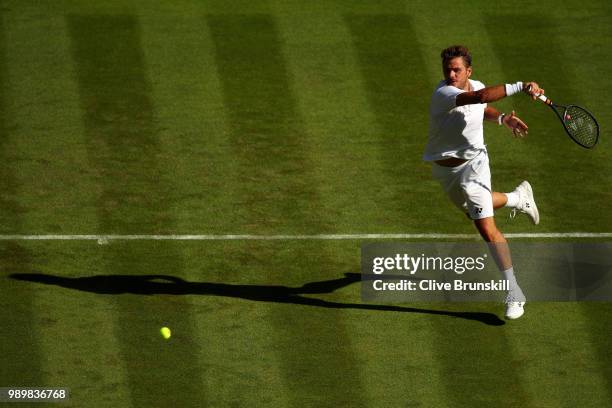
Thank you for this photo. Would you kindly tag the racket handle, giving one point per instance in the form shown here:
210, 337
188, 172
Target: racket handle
544, 99
541, 96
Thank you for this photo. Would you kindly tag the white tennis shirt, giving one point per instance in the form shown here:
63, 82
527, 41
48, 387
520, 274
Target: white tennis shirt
454, 131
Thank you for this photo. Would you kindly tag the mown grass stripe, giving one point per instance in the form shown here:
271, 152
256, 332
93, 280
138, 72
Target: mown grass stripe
47, 125
22, 358
266, 138
397, 92
277, 189
193, 127
193, 135
123, 148
49, 135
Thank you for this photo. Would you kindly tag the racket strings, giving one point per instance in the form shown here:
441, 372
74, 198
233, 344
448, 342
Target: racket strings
581, 126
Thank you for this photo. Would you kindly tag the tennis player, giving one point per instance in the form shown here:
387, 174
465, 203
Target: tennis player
460, 160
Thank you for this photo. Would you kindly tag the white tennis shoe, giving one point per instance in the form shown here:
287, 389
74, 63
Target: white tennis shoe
515, 300
526, 203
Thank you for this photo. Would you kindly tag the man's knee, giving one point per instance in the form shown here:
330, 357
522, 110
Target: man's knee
488, 230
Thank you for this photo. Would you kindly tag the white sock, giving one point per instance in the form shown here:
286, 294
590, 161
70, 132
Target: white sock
513, 284
509, 276
513, 200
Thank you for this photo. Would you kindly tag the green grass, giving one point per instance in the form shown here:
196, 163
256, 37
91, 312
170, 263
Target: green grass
280, 118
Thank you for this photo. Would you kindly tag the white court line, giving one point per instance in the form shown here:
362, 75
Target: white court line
244, 237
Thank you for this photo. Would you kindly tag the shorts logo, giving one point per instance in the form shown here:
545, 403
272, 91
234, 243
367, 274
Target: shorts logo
477, 210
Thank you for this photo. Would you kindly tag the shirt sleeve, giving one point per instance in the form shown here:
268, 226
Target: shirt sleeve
444, 98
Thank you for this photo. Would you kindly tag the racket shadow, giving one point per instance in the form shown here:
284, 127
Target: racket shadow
171, 285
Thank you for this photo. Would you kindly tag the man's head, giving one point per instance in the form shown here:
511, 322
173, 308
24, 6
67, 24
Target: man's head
457, 66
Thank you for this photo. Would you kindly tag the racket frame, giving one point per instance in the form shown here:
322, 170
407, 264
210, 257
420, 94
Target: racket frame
561, 117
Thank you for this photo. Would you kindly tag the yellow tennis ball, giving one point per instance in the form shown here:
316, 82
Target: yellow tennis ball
165, 332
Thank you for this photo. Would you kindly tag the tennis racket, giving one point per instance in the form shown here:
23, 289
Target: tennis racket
578, 123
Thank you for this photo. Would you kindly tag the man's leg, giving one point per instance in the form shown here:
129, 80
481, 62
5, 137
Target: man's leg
521, 199
498, 244
499, 200
500, 251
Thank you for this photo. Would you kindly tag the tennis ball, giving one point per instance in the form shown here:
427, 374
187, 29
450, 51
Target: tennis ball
165, 332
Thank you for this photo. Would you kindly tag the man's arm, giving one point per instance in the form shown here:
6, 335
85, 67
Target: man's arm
495, 93
491, 114
511, 121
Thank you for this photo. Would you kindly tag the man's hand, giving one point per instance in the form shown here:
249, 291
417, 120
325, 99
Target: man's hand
516, 125
532, 89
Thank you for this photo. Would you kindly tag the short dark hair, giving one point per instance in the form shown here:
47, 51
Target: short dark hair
455, 51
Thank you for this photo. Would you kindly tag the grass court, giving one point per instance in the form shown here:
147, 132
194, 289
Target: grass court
281, 117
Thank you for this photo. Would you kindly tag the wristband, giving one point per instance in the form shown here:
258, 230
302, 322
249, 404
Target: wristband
500, 119
512, 89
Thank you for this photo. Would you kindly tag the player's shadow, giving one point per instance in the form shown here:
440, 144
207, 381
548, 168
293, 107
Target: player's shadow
171, 285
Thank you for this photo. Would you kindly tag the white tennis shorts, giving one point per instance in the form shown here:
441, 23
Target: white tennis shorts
468, 185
